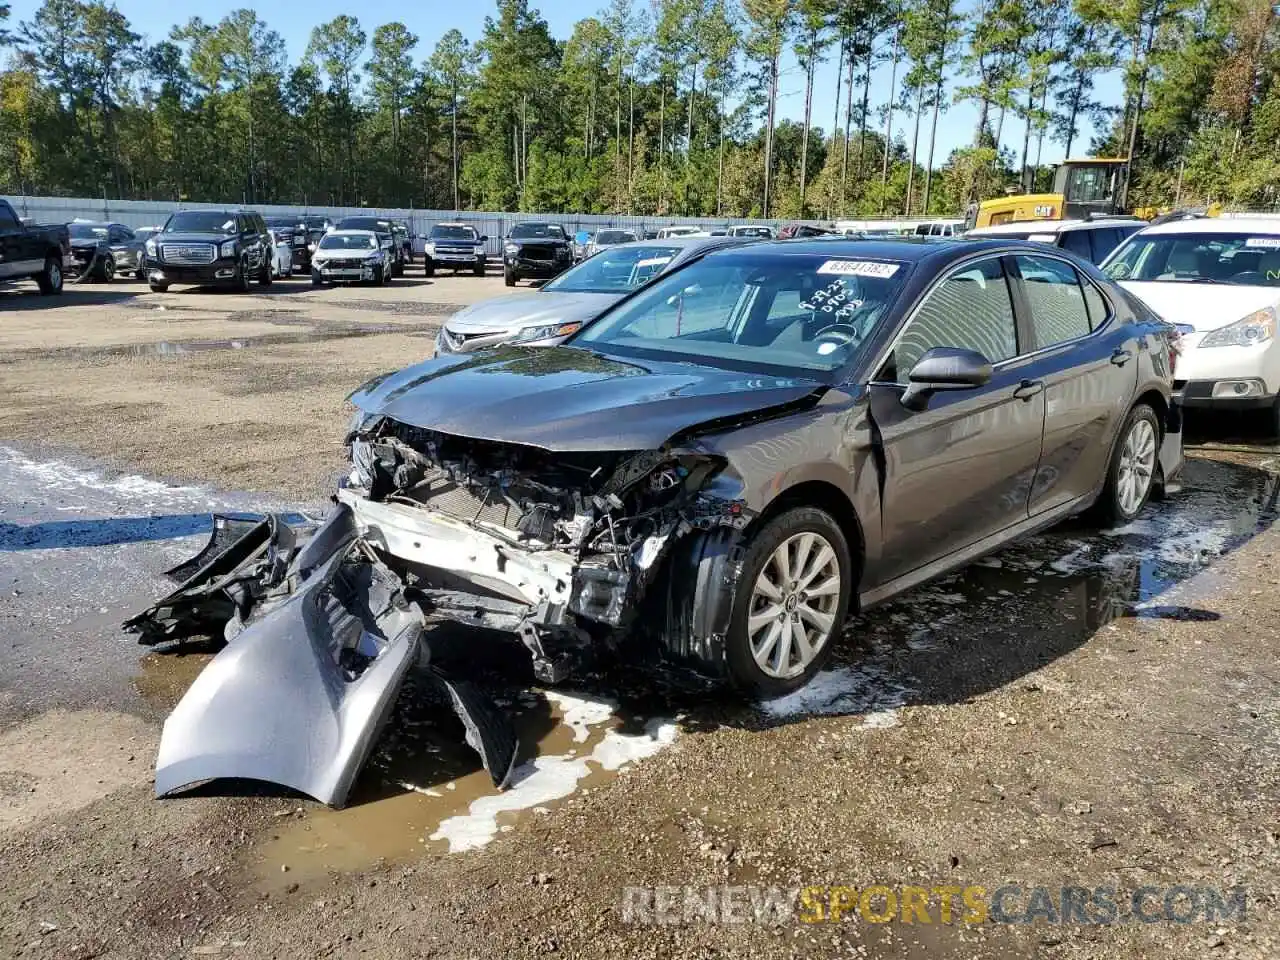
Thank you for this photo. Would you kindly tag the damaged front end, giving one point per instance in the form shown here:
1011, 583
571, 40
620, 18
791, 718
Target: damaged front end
560, 548
323, 622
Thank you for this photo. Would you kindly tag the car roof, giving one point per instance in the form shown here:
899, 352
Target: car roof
934, 251
1244, 225
452, 223
351, 232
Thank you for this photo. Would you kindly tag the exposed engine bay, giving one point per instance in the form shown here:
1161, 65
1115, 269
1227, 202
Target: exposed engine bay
324, 621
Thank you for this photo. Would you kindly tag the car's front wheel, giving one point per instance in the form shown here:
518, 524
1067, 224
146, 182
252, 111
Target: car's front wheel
509, 277
107, 269
1131, 474
792, 598
428, 269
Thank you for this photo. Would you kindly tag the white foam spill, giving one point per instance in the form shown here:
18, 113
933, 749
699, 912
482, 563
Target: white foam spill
60, 475
864, 690
544, 779
580, 713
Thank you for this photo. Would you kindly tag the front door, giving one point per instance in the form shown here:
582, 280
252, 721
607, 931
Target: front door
961, 469
1089, 365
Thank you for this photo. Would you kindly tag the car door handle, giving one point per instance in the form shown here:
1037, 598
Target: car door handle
1028, 389
1121, 357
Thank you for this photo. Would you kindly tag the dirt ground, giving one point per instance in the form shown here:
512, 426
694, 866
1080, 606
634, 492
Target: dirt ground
1096, 710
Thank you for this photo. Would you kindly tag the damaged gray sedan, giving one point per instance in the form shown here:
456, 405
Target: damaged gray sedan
719, 470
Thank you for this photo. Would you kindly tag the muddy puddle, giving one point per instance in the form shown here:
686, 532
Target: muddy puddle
183, 348
424, 794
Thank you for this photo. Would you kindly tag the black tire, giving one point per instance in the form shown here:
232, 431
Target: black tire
49, 280
241, 284
1271, 421
316, 280
106, 269
266, 275
159, 287
479, 270
508, 277
141, 274
745, 673
1114, 505
428, 269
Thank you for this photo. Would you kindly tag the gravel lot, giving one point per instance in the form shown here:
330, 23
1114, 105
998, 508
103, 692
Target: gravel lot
1088, 709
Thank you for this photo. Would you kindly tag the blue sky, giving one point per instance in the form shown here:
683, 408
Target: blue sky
293, 19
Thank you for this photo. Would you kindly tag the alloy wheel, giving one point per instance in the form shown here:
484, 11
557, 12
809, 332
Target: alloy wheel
1137, 466
793, 605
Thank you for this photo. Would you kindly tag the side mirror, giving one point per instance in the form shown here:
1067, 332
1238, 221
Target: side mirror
483, 238
945, 368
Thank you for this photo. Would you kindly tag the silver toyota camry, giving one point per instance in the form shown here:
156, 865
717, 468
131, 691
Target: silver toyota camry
560, 307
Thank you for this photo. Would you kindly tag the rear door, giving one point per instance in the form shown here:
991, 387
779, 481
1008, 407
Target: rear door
960, 470
1088, 363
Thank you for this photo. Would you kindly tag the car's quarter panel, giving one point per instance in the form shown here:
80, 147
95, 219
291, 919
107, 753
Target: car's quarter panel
1089, 377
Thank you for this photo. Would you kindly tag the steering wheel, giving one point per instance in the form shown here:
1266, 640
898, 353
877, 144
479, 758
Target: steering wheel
840, 334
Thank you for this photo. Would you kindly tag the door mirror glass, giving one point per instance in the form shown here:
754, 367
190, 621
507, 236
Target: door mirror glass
945, 368
483, 238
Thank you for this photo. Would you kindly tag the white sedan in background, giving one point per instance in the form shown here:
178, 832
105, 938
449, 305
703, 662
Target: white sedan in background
281, 257
1218, 280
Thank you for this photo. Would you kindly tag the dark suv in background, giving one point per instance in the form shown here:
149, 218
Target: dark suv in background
457, 246
221, 247
535, 251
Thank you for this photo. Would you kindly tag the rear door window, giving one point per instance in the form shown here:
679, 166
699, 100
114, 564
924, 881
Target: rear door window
1052, 287
1077, 242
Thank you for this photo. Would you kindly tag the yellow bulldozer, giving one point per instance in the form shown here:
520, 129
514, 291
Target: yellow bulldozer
1081, 188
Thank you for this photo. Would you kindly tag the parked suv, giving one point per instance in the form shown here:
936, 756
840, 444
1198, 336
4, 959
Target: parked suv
535, 251
455, 245
222, 247
1090, 240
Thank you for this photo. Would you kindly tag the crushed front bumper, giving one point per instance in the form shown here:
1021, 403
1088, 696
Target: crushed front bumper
322, 635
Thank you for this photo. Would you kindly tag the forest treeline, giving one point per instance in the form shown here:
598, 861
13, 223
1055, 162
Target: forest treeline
668, 107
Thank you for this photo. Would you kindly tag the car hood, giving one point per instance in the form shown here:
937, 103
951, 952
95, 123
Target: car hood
570, 399
519, 310
1204, 306
181, 238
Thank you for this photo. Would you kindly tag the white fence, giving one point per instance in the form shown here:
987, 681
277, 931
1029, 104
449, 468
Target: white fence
143, 213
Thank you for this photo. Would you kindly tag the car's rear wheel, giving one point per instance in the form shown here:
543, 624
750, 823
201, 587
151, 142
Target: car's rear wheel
792, 598
49, 280
1131, 475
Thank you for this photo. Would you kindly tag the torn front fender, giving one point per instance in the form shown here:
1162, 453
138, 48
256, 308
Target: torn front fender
299, 696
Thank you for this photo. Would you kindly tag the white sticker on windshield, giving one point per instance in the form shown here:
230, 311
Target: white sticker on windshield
653, 262
859, 268
1270, 243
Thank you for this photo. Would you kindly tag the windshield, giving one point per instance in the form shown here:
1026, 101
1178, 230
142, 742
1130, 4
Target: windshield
201, 221
86, 231
606, 237
750, 232
536, 231
453, 233
354, 241
1235, 258
364, 223
283, 223
797, 313
615, 270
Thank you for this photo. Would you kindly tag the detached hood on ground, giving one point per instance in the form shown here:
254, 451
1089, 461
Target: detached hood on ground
519, 310
1205, 306
566, 399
